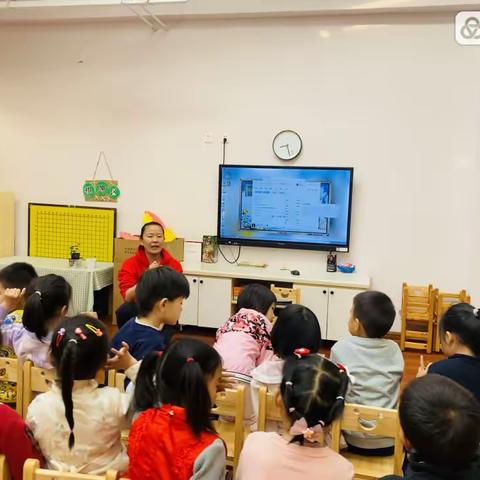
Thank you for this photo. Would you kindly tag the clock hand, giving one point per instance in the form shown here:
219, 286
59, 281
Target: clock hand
288, 148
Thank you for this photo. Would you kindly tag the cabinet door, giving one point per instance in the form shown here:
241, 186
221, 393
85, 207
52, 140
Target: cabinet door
316, 299
190, 305
214, 301
339, 305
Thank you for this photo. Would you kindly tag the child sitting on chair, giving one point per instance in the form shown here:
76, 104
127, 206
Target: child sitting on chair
441, 429
46, 304
296, 327
243, 341
16, 276
312, 396
160, 293
77, 424
460, 333
375, 363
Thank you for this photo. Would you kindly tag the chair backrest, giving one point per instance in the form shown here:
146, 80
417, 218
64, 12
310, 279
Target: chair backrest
32, 471
268, 410
418, 302
4, 473
373, 420
446, 299
116, 380
231, 403
35, 380
286, 294
11, 371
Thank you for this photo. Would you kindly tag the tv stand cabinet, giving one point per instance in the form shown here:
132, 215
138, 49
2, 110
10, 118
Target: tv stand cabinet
328, 295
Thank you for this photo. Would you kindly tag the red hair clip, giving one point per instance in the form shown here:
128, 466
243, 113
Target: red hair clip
190, 359
344, 369
160, 354
301, 352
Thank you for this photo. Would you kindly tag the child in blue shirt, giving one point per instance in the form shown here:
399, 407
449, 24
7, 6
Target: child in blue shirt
159, 295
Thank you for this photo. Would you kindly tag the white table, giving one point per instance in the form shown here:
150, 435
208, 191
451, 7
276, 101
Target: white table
83, 281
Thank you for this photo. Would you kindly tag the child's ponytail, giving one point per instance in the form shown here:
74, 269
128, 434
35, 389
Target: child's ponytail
196, 399
146, 393
79, 349
66, 372
46, 296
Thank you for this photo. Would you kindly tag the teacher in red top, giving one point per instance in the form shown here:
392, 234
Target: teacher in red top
150, 254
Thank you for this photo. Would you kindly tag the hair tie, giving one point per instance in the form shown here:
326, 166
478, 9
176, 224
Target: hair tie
190, 360
39, 293
59, 338
311, 434
289, 384
344, 369
340, 398
301, 352
72, 340
160, 354
78, 331
291, 409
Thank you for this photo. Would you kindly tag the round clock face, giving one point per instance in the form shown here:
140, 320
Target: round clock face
287, 145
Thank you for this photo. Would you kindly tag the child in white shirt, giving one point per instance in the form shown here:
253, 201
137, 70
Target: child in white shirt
76, 424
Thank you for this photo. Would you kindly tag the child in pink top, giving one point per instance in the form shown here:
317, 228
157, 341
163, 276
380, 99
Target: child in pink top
313, 394
244, 341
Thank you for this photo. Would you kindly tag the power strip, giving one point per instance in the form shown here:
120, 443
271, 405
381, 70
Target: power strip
252, 264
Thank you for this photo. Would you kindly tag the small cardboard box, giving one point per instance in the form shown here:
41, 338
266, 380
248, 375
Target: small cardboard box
127, 248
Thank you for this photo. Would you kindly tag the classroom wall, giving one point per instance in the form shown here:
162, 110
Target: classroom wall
393, 96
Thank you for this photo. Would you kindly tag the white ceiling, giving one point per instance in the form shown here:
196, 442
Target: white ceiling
62, 10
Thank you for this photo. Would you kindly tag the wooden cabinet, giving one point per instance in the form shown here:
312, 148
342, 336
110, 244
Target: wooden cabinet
209, 302
331, 306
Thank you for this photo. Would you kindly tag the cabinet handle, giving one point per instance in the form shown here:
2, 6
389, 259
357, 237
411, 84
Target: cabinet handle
194, 280
331, 292
201, 281
324, 292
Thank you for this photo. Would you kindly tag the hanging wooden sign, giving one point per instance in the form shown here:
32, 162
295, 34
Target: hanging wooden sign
101, 190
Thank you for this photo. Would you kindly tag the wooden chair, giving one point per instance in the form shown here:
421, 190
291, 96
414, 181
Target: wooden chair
4, 473
11, 371
32, 471
35, 380
286, 294
116, 380
418, 304
443, 301
268, 410
231, 403
383, 422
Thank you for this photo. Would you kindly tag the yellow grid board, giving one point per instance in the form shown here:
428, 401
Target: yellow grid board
53, 229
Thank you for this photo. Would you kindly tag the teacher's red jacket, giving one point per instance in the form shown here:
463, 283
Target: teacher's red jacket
133, 268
